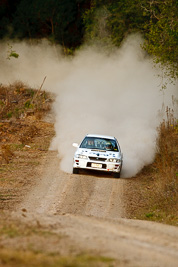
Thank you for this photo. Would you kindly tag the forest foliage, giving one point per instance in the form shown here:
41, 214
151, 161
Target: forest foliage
71, 22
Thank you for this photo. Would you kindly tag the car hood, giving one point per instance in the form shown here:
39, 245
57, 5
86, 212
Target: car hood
98, 153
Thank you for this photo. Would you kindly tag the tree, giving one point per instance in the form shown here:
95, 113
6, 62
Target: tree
161, 35
24, 20
155, 19
7, 9
126, 17
58, 20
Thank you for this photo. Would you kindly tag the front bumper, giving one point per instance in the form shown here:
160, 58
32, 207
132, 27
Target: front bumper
97, 165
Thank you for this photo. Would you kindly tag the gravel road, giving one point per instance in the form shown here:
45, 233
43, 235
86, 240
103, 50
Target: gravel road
90, 211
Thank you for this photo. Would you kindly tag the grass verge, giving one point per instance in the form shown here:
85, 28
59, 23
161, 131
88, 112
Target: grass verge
153, 193
35, 245
16, 258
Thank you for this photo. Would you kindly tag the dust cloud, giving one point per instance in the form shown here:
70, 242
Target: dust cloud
116, 94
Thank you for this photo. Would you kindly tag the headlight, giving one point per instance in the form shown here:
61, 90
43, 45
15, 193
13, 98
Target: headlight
114, 160
82, 156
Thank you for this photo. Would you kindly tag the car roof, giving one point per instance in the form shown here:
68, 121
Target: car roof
100, 136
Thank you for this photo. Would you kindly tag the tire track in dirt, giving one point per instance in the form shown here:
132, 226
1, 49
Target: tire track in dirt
116, 205
75, 195
91, 196
101, 202
57, 192
48, 188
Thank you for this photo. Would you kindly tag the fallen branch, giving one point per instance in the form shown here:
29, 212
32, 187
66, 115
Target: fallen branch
37, 93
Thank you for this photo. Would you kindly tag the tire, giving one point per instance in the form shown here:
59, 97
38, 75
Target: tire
117, 175
75, 171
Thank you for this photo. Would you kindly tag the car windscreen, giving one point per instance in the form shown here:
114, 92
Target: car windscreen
99, 144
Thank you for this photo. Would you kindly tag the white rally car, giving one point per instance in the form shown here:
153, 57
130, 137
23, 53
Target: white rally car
98, 152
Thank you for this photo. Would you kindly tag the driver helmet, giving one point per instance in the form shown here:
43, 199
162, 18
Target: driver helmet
108, 146
90, 142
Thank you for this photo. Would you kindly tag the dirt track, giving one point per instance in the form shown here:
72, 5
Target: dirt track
89, 210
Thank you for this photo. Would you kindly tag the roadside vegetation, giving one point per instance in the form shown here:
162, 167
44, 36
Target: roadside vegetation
24, 138
153, 193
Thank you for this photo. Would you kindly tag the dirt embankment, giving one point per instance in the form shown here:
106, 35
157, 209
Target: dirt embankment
51, 218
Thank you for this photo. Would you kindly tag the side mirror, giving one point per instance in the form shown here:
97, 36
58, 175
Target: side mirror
75, 145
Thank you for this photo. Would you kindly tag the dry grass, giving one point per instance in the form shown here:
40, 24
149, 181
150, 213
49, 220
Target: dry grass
24, 139
18, 104
6, 153
165, 167
155, 189
18, 101
16, 258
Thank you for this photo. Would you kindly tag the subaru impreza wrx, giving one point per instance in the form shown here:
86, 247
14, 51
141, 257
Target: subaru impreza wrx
98, 152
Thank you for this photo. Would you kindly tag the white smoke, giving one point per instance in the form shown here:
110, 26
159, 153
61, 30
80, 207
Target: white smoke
116, 94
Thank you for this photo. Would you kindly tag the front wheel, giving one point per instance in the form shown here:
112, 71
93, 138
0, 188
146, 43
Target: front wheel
117, 175
75, 171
